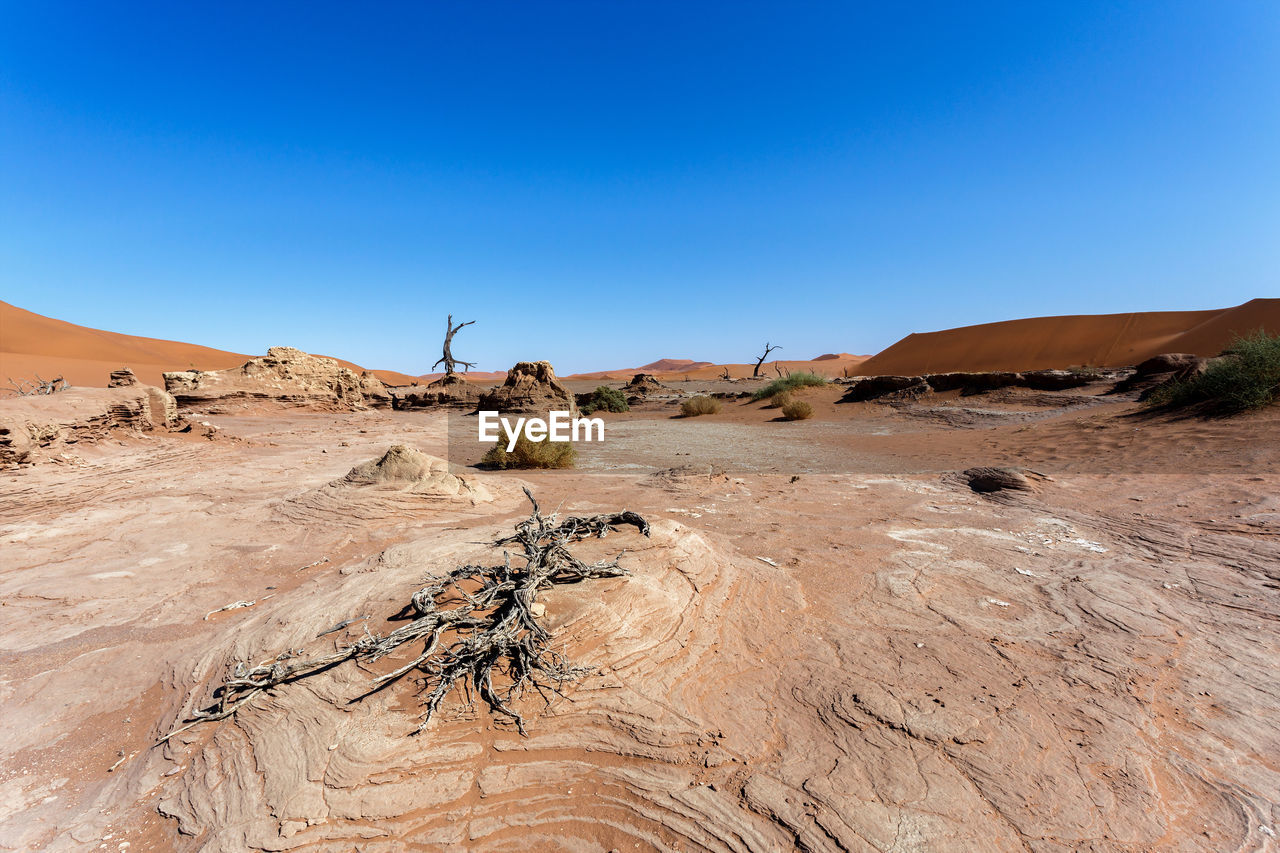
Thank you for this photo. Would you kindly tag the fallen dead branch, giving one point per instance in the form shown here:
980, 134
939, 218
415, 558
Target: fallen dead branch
474, 623
39, 388
236, 605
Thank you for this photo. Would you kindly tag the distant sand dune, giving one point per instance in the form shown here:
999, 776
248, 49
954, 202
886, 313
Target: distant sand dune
31, 344
1100, 340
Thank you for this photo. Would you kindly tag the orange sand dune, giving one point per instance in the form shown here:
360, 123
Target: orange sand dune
480, 377
1099, 340
32, 344
831, 364
672, 365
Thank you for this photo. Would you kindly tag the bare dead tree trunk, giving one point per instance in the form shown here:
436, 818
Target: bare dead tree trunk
767, 349
447, 358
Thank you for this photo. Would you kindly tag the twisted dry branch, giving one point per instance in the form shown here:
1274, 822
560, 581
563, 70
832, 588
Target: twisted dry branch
473, 622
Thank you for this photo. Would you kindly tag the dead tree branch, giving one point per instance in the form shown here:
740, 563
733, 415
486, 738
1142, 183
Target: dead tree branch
476, 625
40, 387
767, 349
447, 358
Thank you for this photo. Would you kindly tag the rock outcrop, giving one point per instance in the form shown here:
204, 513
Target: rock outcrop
450, 391
1160, 370
641, 386
531, 386
401, 483
285, 375
876, 387
36, 426
122, 378
972, 383
987, 479
406, 467
910, 387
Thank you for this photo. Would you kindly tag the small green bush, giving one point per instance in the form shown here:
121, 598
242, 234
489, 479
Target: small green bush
530, 454
1248, 377
700, 405
797, 410
605, 399
800, 379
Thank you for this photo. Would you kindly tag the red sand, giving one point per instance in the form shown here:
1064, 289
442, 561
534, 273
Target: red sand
33, 344
1100, 340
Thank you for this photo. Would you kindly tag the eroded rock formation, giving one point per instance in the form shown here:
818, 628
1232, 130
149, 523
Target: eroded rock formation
450, 390
1161, 370
38, 425
285, 375
401, 483
531, 386
910, 387
641, 386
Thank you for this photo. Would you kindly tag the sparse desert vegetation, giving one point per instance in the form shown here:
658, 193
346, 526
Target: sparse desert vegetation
797, 410
528, 454
699, 405
604, 399
797, 380
1246, 377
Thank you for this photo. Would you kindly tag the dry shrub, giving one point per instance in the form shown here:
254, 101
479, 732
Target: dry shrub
530, 454
797, 410
700, 405
779, 400
800, 379
1247, 377
604, 399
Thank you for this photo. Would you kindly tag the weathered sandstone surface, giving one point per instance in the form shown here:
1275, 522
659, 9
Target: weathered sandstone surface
531, 386
37, 427
284, 375
450, 391
884, 659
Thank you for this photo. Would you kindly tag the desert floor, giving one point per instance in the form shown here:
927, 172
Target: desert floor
828, 643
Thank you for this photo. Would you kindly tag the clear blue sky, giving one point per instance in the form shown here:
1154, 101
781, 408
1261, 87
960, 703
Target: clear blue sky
605, 183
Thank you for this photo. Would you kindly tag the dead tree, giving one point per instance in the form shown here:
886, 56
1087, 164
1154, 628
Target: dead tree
767, 349
447, 358
473, 622
41, 387
725, 375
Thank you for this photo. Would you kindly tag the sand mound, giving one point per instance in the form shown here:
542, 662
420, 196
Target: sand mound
401, 483
1101, 340
284, 375
531, 386
405, 466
